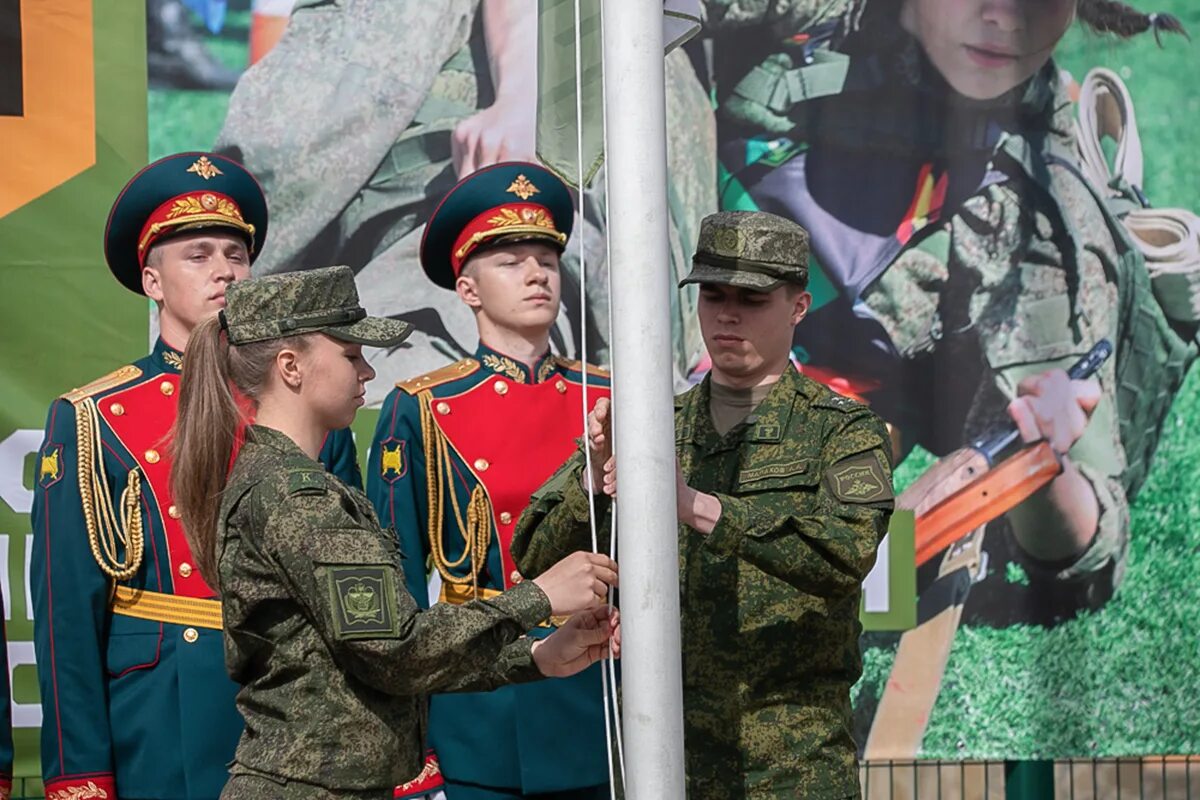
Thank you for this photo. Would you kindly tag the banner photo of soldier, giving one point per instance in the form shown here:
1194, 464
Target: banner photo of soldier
971, 244
970, 277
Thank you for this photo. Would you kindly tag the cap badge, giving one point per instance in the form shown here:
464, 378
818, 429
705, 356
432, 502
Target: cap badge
525, 216
522, 188
204, 168
190, 205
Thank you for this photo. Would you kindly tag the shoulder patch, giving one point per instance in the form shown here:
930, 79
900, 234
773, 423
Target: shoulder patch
393, 464
113, 379
363, 601
450, 372
577, 366
860, 479
306, 481
50, 465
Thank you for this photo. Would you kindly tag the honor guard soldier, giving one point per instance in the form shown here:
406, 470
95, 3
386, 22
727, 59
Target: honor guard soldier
457, 454
136, 702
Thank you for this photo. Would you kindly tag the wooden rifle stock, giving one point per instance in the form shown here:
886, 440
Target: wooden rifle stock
963, 490
979, 502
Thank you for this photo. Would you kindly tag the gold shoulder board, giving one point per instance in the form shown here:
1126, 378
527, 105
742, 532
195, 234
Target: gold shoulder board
115, 378
450, 372
577, 366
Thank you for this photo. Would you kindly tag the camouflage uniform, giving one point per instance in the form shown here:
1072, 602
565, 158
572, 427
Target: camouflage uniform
770, 598
980, 258
352, 141
334, 656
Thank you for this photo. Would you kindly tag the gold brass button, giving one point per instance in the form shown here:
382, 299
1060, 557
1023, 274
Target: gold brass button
173, 512
443, 408
190, 635
481, 464
185, 570
561, 386
515, 577
501, 387
167, 388
117, 409
505, 517
152, 456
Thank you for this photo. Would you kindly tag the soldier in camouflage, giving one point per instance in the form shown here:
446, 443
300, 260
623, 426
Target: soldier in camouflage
334, 656
784, 492
980, 266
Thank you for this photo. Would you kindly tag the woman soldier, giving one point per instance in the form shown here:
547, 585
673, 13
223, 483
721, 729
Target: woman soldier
332, 653
962, 260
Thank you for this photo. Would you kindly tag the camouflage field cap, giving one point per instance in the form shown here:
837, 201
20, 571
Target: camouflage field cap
305, 301
750, 249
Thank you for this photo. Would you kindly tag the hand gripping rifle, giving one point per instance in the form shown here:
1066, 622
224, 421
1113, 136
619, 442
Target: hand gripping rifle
954, 500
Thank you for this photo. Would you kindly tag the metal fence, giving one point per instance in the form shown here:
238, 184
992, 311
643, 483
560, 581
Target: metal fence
1158, 778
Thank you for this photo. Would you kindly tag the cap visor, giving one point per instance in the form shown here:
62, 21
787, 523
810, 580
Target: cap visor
372, 331
744, 279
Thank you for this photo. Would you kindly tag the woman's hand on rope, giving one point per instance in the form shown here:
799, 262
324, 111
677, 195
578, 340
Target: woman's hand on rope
603, 475
586, 638
578, 582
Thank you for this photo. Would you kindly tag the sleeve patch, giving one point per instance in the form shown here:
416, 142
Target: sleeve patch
363, 599
860, 479
50, 465
306, 481
393, 465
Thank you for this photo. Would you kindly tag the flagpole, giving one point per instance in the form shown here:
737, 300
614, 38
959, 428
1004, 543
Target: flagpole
644, 438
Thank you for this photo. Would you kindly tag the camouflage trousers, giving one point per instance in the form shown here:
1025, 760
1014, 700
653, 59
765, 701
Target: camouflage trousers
253, 786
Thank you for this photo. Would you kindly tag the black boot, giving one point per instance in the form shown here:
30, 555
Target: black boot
176, 54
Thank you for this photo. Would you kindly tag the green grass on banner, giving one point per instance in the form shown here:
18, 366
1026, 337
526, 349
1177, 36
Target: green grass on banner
1121, 681
191, 120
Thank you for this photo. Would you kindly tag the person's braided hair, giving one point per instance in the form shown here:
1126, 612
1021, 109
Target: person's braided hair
1119, 19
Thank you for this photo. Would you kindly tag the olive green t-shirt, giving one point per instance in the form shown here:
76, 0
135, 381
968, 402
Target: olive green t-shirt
730, 407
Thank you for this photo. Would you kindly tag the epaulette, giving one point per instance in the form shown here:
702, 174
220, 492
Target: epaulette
115, 378
306, 480
577, 366
832, 399
450, 372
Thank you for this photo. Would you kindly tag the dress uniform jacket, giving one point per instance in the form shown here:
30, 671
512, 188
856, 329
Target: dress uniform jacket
456, 455
135, 699
770, 598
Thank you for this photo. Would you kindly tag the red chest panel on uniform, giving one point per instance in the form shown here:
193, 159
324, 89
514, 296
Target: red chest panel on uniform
513, 436
141, 417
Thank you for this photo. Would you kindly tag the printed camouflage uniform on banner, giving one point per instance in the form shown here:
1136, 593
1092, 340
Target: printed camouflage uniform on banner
980, 258
353, 142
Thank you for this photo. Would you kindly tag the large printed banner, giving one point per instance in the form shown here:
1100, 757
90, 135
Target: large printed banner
979, 219
976, 211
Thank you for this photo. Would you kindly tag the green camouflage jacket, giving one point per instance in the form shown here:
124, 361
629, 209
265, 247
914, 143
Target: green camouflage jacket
770, 598
332, 653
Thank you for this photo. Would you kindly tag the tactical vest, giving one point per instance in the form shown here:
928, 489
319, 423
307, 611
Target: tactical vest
784, 94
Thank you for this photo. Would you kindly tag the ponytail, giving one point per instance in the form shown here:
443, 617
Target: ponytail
1119, 19
207, 425
203, 439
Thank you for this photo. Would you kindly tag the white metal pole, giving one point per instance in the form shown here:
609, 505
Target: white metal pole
644, 437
